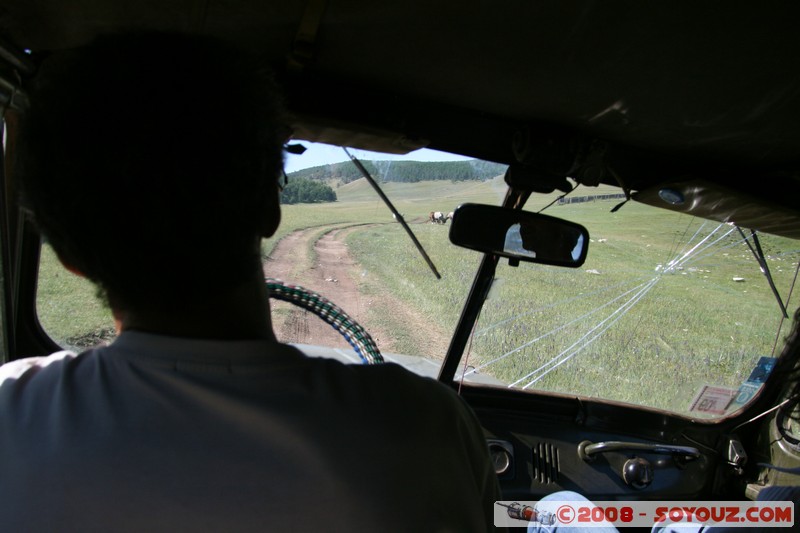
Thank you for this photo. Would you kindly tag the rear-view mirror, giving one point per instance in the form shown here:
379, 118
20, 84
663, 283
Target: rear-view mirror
519, 235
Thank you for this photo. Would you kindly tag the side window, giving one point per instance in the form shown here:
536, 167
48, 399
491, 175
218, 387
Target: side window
68, 306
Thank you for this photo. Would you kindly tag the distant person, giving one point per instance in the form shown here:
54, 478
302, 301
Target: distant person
150, 163
541, 240
513, 243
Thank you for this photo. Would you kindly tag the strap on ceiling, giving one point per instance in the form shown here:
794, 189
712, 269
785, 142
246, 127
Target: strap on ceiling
303, 47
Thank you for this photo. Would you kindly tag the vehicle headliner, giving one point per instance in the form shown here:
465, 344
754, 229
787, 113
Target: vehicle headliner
677, 89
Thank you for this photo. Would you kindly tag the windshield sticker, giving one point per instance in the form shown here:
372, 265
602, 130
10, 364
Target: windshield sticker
762, 370
757, 377
712, 400
746, 393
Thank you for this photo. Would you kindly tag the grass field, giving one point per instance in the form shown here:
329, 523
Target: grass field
687, 328
625, 326
68, 306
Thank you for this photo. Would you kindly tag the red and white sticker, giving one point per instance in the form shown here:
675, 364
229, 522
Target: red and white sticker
712, 400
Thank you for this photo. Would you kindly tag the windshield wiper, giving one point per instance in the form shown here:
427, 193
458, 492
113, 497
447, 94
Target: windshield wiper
758, 253
395, 212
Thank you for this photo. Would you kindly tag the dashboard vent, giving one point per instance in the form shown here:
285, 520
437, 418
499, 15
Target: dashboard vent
545, 463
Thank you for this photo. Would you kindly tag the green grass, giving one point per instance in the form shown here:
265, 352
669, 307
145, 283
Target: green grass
68, 306
696, 326
358, 203
448, 195
399, 269
693, 327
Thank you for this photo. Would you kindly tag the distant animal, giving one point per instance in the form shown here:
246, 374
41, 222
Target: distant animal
438, 217
449, 216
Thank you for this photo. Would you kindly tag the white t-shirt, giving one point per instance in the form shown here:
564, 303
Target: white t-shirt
155, 433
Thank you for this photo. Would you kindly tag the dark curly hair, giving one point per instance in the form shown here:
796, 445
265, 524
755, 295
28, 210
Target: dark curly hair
150, 162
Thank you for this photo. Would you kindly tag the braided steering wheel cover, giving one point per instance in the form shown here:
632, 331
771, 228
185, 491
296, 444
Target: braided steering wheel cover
352, 331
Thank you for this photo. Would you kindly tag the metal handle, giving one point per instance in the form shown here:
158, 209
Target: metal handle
587, 449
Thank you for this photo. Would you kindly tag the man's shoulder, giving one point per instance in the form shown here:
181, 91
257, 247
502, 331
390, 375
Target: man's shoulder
396, 389
385, 378
30, 385
22, 370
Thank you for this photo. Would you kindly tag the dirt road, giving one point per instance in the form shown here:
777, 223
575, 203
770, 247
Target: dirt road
324, 265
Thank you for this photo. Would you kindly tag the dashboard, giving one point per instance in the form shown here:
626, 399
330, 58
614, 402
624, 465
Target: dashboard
604, 452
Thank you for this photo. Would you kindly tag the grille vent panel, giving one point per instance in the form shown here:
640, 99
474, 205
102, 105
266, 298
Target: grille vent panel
546, 465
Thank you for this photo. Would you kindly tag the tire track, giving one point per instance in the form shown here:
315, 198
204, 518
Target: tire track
331, 271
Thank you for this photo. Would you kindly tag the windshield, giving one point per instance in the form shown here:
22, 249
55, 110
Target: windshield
668, 311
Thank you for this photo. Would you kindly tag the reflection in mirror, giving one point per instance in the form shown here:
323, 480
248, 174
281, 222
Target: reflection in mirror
519, 235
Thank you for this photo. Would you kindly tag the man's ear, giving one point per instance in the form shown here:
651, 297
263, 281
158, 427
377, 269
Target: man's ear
69, 267
74, 270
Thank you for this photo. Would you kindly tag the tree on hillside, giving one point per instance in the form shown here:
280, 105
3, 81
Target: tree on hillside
304, 191
342, 172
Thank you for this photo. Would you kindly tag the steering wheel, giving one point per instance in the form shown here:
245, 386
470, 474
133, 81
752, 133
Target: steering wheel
353, 332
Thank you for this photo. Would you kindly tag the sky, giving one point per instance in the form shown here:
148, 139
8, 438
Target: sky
317, 154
